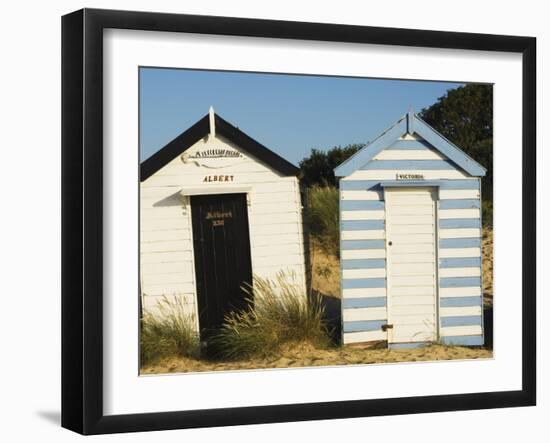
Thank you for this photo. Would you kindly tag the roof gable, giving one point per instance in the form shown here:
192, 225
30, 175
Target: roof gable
201, 129
413, 125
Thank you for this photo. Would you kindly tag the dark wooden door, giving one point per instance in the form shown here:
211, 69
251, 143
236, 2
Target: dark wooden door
221, 242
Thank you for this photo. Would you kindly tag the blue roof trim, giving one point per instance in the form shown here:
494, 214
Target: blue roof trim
409, 124
447, 148
366, 154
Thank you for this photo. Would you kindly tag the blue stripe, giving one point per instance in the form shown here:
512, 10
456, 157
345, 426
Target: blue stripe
355, 185
359, 225
459, 282
363, 244
459, 204
466, 340
361, 205
461, 321
370, 302
358, 283
469, 262
458, 302
404, 165
450, 243
418, 344
359, 326
459, 223
364, 263
460, 184
374, 185
409, 145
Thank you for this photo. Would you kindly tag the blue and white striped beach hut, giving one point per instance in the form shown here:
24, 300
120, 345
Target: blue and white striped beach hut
410, 236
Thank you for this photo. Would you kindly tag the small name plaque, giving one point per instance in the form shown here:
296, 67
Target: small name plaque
401, 176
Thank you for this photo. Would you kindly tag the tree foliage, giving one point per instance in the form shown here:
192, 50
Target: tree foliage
465, 116
318, 167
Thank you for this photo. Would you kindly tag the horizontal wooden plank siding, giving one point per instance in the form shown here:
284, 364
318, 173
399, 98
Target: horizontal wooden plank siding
458, 243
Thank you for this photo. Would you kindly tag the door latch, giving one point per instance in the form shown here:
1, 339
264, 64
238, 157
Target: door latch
386, 327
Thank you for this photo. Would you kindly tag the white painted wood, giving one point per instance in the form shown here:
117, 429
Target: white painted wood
426, 257
398, 154
473, 291
413, 229
403, 208
364, 314
460, 311
409, 220
363, 215
165, 257
418, 267
412, 300
358, 337
391, 174
454, 331
352, 254
412, 239
363, 292
410, 309
167, 288
413, 290
458, 213
415, 248
166, 246
360, 195
408, 208
364, 273
460, 272
368, 234
165, 235
449, 194
460, 252
163, 268
460, 233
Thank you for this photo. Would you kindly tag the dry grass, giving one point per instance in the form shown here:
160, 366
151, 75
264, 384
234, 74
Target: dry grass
325, 270
304, 355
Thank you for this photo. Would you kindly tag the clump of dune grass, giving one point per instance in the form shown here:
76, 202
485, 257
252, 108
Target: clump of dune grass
168, 332
322, 216
279, 315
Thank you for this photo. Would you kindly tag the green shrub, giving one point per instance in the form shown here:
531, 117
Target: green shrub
169, 332
280, 314
322, 216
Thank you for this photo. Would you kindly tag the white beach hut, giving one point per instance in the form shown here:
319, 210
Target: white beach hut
217, 207
410, 232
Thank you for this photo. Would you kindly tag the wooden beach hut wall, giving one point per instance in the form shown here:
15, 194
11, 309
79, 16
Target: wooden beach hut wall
410, 235
217, 207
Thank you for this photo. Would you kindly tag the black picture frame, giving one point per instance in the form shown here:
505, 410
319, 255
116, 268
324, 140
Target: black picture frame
82, 215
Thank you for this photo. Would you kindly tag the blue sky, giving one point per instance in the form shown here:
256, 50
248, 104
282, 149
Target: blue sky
290, 114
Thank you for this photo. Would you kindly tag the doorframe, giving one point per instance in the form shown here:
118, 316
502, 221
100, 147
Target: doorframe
186, 195
435, 188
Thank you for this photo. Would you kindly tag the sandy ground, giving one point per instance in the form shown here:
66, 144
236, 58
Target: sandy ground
306, 355
325, 271
487, 251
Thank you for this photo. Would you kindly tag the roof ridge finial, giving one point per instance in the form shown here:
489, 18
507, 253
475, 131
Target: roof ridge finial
212, 120
410, 121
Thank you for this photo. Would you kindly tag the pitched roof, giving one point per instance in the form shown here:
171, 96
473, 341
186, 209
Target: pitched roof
202, 128
410, 124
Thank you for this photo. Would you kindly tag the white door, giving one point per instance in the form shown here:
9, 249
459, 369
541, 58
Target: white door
411, 264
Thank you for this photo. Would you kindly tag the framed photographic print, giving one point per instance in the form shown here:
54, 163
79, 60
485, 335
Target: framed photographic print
269, 221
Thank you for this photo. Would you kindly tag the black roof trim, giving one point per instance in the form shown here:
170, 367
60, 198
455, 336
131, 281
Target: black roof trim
199, 130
